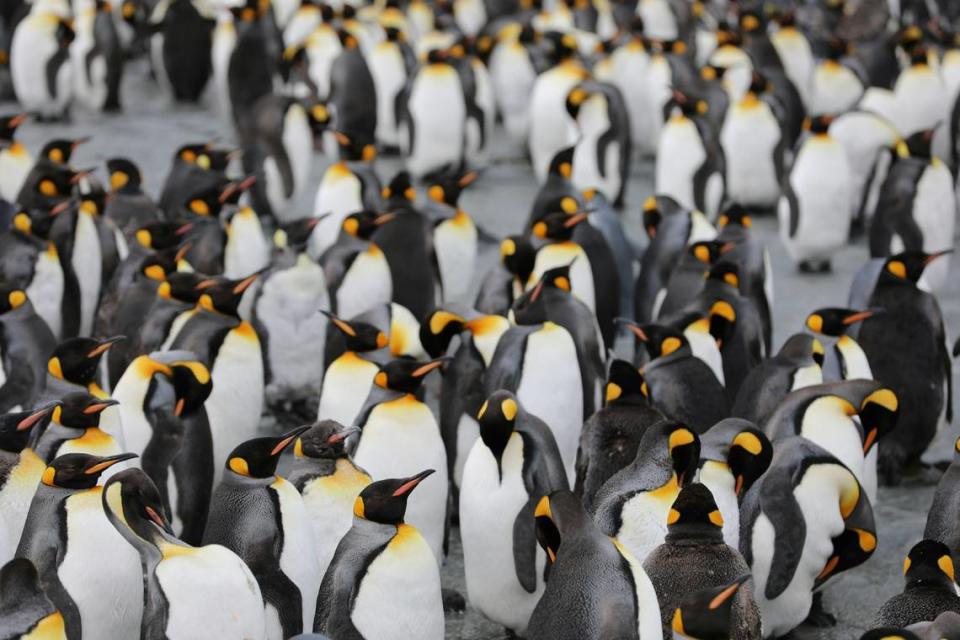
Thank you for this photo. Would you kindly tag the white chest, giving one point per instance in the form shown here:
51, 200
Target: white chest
679, 155
87, 263
329, 503
298, 558
46, 290
346, 385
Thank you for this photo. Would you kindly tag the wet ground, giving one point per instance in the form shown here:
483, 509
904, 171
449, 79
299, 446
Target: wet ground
150, 129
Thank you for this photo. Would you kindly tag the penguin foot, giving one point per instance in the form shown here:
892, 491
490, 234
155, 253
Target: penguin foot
819, 617
453, 601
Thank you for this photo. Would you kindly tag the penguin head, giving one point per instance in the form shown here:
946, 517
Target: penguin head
929, 564
748, 457
295, 235
683, 449
437, 56
258, 457
77, 359
563, 46
688, 104
706, 614
93, 199
353, 148
81, 410
215, 159
575, 99
564, 214
231, 193
918, 55
818, 125
800, 350
11, 297
438, 330
125, 176
909, 36
16, 428
908, 266
182, 286
363, 224
758, 83
659, 340
318, 115
837, 48
192, 385
162, 235
223, 295
359, 336
79, 470
694, 514
561, 515
709, 251
60, 150
53, 183
8, 128
400, 190
497, 418
750, 21
519, 256
190, 154
712, 73
878, 412
36, 222
65, 33
917, 145
728, 35
655, 209
326, 439
531, 307
835, 321
624, 382
735, 215
249, 12
385, 501
206, 202
562, 163
131, 500
405, 375
446, 188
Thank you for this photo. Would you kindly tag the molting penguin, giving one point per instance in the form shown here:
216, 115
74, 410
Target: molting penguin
930, 587
25, 344
183, 587
846, 360
65, 528
329, 481
513, 464
25, 610
383, 579
634, 504
694, 553
597, 587
261, 517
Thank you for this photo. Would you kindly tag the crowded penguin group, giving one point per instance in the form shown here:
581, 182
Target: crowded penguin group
473, 314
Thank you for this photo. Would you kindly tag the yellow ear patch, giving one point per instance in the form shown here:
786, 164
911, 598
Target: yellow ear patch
382, 340
677, 623
673, 516
731, 279
543, 508
613, 391
563, 283
118, 180
22, 223
701, 253
435, 193
57, 413
17, 298
815, 323
906, 565
319, 113
669, 345
48, 476
507, 248
380, 379
566, 169
679, 437
358, 509
48, 188
144, 238
898, 269
483, 409
240, 466
351, 226
749, 442
155, 272
54, 368
369, 153
199, 207
886, 398
866, 540
441, 319
946, 565
509, 409
569, 205
650, 203
702, 107
724, 310
540, 229
716, 517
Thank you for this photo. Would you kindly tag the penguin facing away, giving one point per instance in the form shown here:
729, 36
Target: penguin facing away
930, 587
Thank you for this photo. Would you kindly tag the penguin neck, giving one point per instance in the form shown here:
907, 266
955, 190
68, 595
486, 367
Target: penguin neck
237, 481
694, 534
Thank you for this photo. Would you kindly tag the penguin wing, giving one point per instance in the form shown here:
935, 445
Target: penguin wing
793, 207
506, 368
780, 506
525, 545
19, 384
56, 61
947, 368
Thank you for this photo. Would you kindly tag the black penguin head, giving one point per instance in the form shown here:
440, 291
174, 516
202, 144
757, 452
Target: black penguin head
318, 114
750, 21
706, 614
735, 214
93, 200
385, 501
326, 439
518, 256
725, 271
562, 163
918, 55
54, 183
565, 213
131, 498
223, 295
216, 159
437, 56
575, 99
59, 151
909, 265
528, 34
363, 224
878, 413
182, 286
837, 49
79, 470
835, 321
16, 428
11, 297
748, 457
80, 410
561, 515
359, 336
758, 83
8, 128
65, 33
190, 153
929, 564
438, 330
192, 385
564, 45
659, 340
818, 125
497, 418
655, 208
683, 447
162, 235
709, 251
689, 104
77, 359
917, 145
400, 190
247, 13
258, 458
353, 148
728, 35
532, 306
206, 202
125, 176
694, 514
624, 381
446, 188
295, 235
36, 222
405, 375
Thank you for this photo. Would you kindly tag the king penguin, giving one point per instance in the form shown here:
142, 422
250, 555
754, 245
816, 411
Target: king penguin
930, 588
15, 160
846, 360
40, 60
25, 344
25, 610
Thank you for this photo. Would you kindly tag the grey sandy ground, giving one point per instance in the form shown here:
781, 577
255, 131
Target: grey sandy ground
151, 129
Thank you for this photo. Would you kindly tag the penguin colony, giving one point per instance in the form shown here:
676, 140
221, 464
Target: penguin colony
604, 420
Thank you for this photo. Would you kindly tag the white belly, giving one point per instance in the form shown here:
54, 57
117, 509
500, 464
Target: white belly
298, 143
921, 99
455, 244
551, 128
513, 76
247, 249
581, 273
87, 263
749, 137
467, 433
797, 57
644, 521
837, 434
835, 89
716, 476
32, 47
658, 19
630, 63
934, 210
298, 558
593, 121
807, 377
175, 327
366, 285
329, 503
15, 164
704, 347
389, 75
15, 498
90, 90
339, 195
346, 385
438, 112
855, 361
679, 155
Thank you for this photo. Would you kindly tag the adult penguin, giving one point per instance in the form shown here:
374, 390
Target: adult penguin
252, 67
804, 484
399, 432
194, 166
74, 427
670, 228
514, 64
601, 157
754, 272
97, 56
325, 475
920, 93
690, 162
611, 436
945, 508
930, 588
556, 185
835, 86
694, 553
605, 219
906, 348
180, 49
689, 274
597, 587
797, 365
261, 517
25, 344
355, 269
753, 142
25, 609
455, 236
161, 407
288, 317
677, 383
183, 587
15, 159
846, 359
468, 59
706, 613
391, 63
349, 375
634, 504
128, 206
74, 365
462, 389
551, 127
431, 117
40, 60
510, 468
506, 280
914, 209
65, 527
795, 53
383, 578
353, 94
734, 453
818, 182
231, 348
